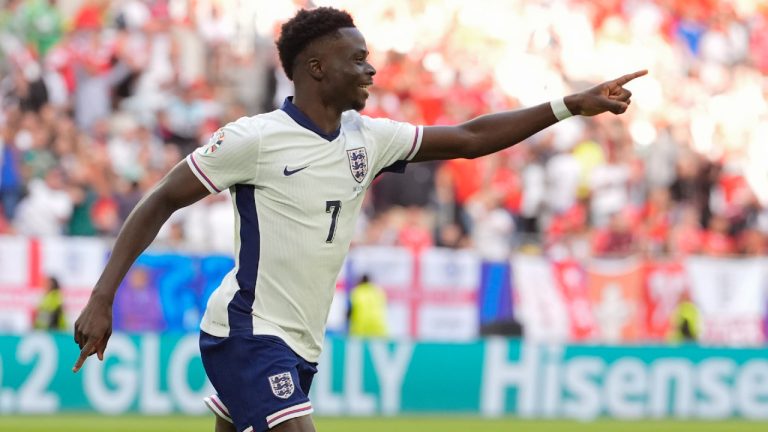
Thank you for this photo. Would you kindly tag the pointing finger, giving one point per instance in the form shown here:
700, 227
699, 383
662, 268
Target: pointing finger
629, 77
87, 351
101, 346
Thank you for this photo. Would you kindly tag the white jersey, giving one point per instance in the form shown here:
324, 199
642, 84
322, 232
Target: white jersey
297, 193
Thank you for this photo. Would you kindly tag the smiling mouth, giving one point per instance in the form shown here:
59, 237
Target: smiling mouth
364, 89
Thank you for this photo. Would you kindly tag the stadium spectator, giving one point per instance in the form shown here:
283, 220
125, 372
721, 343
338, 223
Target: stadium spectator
11, 181
533, 190
50, 312
655, 217
563, 179
139, 304
617, 238
686, 324
43, 23
46, 208
686, 236
717, 239
493, 224
367, 310
415, 234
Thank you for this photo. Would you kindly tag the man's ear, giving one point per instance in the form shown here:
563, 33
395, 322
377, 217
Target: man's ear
315, 68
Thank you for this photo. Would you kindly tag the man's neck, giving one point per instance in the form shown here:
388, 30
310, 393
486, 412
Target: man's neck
325, 117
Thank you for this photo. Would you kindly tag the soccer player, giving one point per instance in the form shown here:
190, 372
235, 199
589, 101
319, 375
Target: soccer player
297, 177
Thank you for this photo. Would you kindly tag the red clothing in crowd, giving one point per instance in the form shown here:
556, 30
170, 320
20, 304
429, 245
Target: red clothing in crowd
656, 223
415, 238
608, 242
89, 17
687, 240
759, 42
717, 243
466, 177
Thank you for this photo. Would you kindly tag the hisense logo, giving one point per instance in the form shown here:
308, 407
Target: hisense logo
632, 385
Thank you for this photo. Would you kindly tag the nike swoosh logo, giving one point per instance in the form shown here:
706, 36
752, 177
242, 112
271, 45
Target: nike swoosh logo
287, 172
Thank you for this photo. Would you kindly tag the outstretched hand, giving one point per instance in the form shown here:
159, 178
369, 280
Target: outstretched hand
92, 330
608, 96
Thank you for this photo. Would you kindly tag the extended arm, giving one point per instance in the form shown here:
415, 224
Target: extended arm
493, 132
179, 188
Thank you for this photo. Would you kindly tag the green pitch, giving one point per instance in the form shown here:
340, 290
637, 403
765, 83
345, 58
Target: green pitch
93, 423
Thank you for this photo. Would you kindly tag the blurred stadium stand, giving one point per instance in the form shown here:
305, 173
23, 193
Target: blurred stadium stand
588, 233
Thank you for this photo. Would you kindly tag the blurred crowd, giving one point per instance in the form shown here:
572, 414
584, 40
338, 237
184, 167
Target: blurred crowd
99, 99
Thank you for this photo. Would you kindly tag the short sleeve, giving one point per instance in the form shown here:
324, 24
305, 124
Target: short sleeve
397, 142
229, 157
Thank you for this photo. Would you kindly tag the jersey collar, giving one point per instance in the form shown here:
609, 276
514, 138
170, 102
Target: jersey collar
304, 121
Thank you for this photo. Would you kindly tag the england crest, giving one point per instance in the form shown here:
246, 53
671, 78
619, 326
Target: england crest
282, 385
358, 163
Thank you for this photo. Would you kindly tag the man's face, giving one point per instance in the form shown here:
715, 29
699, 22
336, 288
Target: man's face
347, 71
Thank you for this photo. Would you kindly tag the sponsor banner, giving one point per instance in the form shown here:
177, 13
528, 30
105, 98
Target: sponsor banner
17, 301
665, 284
731, 298
163, 374
390, 267
615, 291
24, 265
572, 281
541, 306
394, 270
14, 262
167, 292
438, 294
449, 270
445, 300
495, 293
429, 296
77, 264
76, 261
151, 374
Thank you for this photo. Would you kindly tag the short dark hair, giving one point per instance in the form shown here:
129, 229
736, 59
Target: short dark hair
307, 26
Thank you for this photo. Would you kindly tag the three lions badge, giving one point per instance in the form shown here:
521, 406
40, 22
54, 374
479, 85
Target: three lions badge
358, 163
282, 385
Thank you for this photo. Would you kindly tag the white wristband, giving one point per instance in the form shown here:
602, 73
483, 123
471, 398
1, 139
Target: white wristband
559, 109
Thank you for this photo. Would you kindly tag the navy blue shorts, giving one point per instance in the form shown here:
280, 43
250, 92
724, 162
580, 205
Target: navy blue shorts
260, 381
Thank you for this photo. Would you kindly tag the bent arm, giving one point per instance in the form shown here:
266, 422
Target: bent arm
493, 132
179, 188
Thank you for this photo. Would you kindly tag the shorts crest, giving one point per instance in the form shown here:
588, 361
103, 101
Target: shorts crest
358, 163
282, 385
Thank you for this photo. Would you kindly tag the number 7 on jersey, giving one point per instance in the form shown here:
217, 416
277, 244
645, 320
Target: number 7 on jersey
332, 207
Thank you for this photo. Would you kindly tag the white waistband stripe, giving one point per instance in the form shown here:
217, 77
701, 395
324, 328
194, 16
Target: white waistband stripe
289, 413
